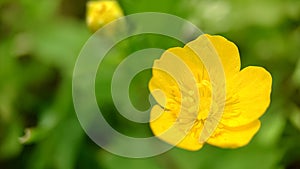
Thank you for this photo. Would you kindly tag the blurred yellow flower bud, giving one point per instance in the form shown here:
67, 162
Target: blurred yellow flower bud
102, 12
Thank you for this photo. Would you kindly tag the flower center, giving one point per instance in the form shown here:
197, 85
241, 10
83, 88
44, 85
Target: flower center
207, 109
204, 88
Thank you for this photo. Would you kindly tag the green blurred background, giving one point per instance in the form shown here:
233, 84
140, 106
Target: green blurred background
39, 44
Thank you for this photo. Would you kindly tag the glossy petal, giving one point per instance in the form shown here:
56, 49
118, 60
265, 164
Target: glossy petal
248, 96
160, 121
190, 142
172, 76
227, 137
164, 125
192, 60
163, 87
228, 53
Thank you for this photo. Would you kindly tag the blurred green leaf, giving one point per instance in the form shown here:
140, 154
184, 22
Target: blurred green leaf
10, 145
295, 117
111, 161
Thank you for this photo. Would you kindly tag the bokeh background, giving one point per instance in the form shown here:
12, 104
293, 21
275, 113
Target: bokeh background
39, 44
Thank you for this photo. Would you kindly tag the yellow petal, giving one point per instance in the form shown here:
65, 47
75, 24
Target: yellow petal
248, 96
227, 137
190, 142
165, 126
160, 121
163, 87
192, 60
228, 53
173, 77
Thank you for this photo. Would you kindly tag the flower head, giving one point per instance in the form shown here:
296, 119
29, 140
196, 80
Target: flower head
102, 12
187, 111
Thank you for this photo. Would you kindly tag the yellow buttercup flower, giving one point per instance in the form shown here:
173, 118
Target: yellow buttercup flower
102, 12
183, 110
